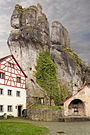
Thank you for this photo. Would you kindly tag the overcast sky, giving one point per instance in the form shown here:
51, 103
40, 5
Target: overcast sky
73, 14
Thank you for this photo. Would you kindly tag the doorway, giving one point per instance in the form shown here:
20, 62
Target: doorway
76, 108
19, 111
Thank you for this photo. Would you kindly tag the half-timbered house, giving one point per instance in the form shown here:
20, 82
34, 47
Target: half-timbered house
12, 87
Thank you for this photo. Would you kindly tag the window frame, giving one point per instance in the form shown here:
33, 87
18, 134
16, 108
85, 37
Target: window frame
2, 75
1, 108
9, 94
18, 93
11, 65
1, 91
9, 108
19, 79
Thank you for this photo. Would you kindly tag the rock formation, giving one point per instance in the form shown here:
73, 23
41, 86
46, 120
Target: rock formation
70, 68
30, 35
59, 34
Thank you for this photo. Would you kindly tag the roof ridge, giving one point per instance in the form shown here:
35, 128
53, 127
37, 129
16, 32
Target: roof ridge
15, 61
4, 57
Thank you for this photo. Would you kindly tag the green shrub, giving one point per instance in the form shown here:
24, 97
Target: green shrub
1, 117
10, 116
63, 92
46, 76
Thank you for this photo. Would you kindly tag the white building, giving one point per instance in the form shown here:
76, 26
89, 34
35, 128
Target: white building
12, 87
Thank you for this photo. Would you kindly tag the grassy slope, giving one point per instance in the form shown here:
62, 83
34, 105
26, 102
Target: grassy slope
46, 107
18, 128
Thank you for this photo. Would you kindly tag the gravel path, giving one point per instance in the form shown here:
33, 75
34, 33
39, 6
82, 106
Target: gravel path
62, 128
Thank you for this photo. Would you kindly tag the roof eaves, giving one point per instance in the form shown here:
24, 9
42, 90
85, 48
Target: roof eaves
73, 95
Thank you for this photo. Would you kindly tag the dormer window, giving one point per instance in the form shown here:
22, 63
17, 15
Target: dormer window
2, 75
18, 79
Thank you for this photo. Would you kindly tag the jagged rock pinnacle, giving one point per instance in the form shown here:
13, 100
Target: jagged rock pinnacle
31, 23
59, 34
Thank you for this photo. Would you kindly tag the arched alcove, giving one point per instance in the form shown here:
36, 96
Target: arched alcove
76, 108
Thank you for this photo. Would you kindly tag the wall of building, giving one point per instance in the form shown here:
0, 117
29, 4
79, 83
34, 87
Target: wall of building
84, 96
87, 101
13, 100
11, 73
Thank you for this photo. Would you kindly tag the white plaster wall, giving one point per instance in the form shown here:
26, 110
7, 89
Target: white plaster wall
13, 100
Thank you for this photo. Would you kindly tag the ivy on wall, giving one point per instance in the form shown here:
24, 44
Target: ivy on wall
63, 91
46, 76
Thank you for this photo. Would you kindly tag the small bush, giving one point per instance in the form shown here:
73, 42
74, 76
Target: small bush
1, 117
10, 116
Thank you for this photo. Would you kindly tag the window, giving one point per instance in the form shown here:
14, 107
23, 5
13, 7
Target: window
1, 108
88, 84
11, 65
9, 108
18, 79
2, 75
42, 101
1, 91
18, 93
9, 92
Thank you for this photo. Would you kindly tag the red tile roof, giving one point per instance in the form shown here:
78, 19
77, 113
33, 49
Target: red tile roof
4, 58
73, 95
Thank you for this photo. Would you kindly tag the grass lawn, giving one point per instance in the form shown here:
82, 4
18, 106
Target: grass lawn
20, 128
46, 107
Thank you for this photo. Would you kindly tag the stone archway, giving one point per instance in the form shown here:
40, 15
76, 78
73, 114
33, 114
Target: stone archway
76, 108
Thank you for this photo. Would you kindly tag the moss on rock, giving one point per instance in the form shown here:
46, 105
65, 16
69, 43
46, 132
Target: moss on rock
33, 8
71, 54
63, 91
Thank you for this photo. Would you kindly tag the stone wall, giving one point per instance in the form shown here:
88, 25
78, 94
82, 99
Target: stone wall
44, 114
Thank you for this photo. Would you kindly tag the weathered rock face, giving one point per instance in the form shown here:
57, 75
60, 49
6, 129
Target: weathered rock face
31, 24
59, 34
30, 35
71, 71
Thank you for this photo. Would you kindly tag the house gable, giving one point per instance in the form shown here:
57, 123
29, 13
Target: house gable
13, 73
